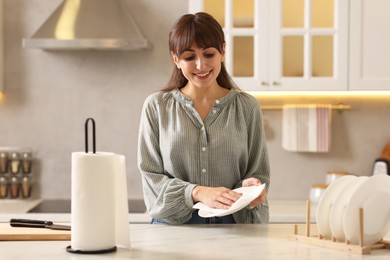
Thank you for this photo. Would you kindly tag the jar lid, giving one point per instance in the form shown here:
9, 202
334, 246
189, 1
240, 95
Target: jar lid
15, 155
338, 172
26, 155
319, 185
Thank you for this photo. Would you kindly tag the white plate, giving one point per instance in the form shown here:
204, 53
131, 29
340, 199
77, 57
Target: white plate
374, 197
336, 216
248, 194
326, 203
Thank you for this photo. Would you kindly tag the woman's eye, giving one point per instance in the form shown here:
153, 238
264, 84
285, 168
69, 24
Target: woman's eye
209, 55
189, 58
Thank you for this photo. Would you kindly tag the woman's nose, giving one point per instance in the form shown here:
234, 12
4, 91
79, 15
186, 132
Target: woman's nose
200, 63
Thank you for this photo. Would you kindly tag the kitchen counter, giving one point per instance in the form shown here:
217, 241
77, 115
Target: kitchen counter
19, 209
17, 206
281, 211
272, 241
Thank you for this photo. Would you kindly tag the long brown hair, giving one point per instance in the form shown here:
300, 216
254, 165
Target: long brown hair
206, 32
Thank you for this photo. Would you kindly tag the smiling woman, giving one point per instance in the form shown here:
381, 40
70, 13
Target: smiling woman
200, 137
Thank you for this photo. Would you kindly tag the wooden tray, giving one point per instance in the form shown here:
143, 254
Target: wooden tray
8, 233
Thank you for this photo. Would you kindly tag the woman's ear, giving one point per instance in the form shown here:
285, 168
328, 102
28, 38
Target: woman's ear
175, 59
223, 52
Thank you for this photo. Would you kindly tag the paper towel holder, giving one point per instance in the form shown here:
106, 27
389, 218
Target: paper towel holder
93, 135
84, 252
69, 248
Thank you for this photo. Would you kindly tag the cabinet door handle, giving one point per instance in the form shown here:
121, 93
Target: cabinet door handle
276, 83
264, 83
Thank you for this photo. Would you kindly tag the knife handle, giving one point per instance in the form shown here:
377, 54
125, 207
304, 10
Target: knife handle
30, 223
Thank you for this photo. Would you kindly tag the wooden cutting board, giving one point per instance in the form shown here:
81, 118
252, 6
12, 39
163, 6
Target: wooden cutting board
8, 233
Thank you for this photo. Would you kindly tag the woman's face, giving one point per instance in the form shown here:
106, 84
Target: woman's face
200, 66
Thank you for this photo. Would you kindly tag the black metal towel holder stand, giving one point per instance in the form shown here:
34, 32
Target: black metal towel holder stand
93, 135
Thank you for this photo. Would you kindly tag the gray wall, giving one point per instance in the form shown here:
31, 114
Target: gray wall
48, 96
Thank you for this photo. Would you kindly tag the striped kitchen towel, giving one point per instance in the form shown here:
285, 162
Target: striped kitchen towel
307, 128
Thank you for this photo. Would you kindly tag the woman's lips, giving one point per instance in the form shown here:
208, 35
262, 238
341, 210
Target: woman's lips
202, 75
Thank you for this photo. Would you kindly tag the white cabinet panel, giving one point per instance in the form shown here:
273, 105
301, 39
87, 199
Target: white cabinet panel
370, 45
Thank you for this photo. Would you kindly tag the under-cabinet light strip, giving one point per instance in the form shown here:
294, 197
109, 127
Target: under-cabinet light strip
379, 93
275, 107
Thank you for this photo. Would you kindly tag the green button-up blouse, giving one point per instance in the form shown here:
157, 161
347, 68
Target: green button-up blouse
177, 150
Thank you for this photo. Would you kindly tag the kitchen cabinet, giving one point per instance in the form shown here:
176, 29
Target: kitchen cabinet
283, 44
369, 45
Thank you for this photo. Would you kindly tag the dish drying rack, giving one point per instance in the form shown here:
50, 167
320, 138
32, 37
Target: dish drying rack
333, 244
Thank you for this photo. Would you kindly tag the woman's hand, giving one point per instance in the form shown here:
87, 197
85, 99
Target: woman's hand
219, 197
255, 182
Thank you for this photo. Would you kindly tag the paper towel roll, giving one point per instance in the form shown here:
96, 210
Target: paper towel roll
99, 202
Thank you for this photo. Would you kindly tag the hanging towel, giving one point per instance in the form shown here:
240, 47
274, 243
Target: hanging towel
307, 128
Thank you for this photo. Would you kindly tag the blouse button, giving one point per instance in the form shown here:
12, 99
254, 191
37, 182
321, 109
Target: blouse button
202, 128
203, 170
217, 101
203, 149
214, 111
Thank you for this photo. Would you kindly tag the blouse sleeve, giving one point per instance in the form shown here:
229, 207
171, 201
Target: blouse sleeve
258, 167
166, 198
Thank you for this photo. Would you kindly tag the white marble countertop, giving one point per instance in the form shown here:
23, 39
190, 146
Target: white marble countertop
281, 211
17, 206
272, 241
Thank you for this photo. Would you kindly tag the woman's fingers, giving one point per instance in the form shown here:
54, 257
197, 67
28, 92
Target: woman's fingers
251, 182
229, 197
224, 197
259, 200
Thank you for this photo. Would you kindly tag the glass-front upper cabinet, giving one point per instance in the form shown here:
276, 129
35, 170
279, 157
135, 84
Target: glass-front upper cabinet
283, 44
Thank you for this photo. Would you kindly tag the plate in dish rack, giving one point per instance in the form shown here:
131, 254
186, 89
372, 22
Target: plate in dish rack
326, 203
248, 194
336, 216
374, 197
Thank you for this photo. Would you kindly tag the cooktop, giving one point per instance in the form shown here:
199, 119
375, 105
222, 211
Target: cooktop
64, 206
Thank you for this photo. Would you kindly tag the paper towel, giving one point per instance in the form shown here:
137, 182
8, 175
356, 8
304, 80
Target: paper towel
99, 202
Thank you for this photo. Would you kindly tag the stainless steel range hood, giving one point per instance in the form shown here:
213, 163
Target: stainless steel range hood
89, 24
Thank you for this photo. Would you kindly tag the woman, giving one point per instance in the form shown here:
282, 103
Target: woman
200, 137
